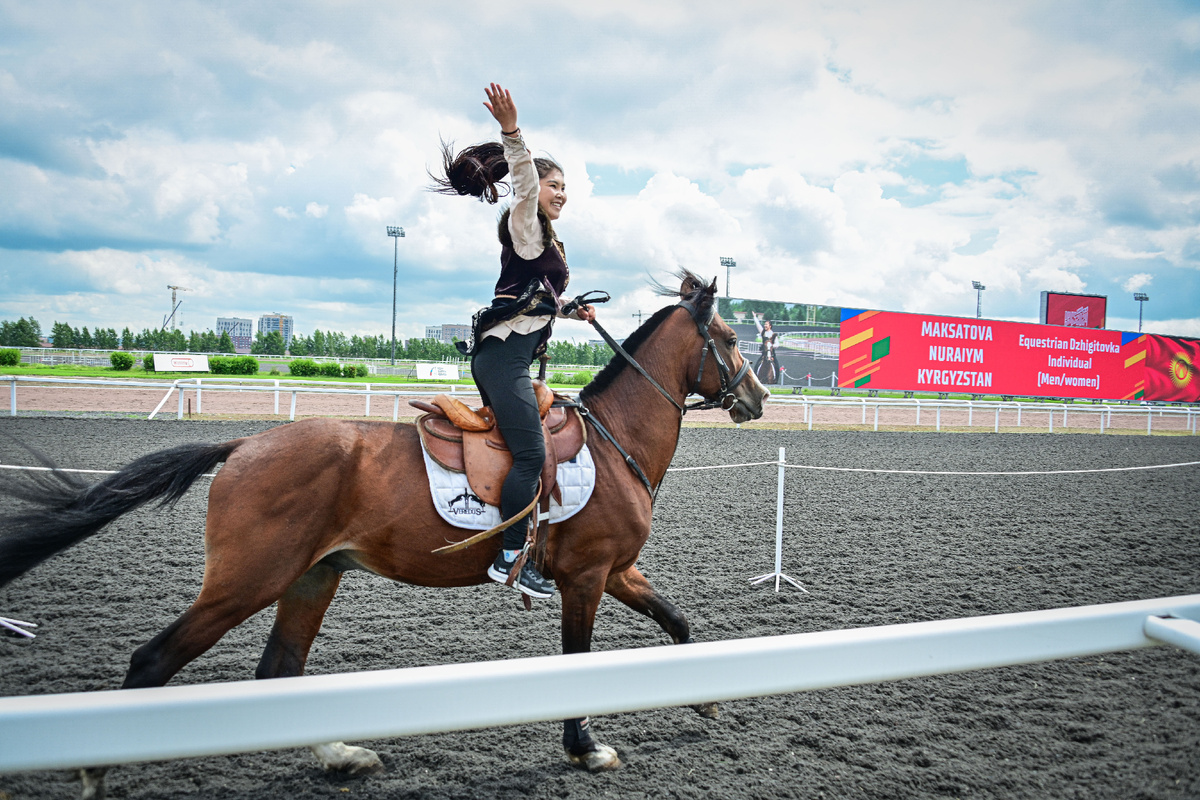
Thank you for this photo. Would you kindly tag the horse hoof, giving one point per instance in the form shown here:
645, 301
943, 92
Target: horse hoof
340, 757
602, 759
93, 783
707, 710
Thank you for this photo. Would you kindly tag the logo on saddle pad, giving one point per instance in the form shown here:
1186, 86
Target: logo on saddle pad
465, 505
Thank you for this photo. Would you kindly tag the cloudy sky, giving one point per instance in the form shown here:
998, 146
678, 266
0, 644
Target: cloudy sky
875, 155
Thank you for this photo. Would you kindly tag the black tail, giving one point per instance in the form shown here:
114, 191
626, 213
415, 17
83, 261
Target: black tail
69, 509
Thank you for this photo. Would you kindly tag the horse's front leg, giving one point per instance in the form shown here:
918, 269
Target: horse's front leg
632, 589
580, 598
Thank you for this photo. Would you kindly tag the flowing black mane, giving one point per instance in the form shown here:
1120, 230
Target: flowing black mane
701, 297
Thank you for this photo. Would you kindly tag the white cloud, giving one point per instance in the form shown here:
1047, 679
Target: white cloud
1137, 282
285, 212
316, 210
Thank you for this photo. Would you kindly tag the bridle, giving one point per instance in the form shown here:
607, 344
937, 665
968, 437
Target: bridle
725, 399
729, 382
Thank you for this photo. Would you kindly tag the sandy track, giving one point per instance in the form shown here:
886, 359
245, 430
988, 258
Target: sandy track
873, 549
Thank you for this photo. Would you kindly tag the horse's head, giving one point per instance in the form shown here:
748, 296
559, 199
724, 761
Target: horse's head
719, 372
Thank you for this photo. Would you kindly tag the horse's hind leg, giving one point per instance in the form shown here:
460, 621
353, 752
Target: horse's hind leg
632, 589
298, 617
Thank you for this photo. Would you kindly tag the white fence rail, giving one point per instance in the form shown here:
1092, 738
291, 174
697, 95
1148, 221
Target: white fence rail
85, 729
1028, 415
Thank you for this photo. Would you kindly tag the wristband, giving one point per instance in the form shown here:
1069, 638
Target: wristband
513, 132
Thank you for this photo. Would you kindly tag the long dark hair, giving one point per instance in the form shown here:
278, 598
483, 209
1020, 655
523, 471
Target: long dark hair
479, 171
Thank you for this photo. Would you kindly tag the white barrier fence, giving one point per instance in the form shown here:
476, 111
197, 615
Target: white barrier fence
1036, 413
85, 729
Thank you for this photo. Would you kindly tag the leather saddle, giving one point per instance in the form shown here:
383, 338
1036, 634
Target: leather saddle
462, 439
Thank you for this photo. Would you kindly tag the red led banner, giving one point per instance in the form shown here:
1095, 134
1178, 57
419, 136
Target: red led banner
916, 352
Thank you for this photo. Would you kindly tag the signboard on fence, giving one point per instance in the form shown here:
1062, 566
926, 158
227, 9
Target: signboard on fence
899, 351
180, 363
437, 372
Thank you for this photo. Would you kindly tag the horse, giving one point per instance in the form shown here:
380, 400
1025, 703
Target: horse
355, 496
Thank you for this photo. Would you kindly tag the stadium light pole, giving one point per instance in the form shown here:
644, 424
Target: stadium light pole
978, 287
728, 263
1141, 298
397, 233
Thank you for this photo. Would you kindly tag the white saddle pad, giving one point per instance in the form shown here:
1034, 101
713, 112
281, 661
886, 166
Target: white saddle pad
458, 505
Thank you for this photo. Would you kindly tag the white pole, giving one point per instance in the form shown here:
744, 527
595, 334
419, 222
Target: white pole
368, 411
292, 414
970, 414
864, 411
1149, 420
779, 521
918, 412
1018, 415
12, 397
1102, 420
277, 400
997, 429
939, 417
1064, 417
812, 412
877, 416
179, 414
1051, 420
396, 408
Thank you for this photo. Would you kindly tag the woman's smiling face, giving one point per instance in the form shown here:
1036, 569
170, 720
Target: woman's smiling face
553, 194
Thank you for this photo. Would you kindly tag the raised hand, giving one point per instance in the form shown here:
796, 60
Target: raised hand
501, 106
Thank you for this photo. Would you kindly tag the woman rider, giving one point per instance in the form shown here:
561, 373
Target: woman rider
767, 367
508, 335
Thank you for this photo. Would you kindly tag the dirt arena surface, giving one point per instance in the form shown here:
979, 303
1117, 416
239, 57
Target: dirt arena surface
872, 550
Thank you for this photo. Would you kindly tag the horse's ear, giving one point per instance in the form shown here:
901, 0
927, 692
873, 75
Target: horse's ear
712, 287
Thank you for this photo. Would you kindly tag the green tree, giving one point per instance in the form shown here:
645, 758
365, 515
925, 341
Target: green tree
62, 334
270, 344
24, 332
127, 339
225, 344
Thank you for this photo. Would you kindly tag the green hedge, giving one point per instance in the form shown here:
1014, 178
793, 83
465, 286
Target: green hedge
307, 368
302, 367
148, 362
9, 357
121, 361
236, 365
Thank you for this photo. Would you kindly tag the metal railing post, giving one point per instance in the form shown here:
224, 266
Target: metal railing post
179, 414
997, 428
292, 413
1050, 415
12, 397
1149, 420
877, 416
918, 412
396, 408
939, 417
277, 399
970, 414
368, 411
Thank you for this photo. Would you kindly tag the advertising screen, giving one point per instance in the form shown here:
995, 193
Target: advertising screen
1074, 310
918, 352
805, 336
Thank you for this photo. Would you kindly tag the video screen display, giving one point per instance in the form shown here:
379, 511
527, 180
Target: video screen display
802, 338
1074, 310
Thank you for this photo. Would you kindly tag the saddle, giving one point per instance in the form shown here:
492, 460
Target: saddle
462, 439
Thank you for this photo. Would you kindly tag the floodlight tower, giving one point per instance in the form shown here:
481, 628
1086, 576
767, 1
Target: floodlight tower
171, 319
978, 287
397, 233
728, 263
1141, 298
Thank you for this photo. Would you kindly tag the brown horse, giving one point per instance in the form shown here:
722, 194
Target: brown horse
355, 496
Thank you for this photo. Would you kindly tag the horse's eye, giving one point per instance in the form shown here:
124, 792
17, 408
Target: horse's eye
733, 341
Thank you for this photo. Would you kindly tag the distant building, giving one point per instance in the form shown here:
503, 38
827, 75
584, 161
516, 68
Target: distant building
277, 322
448, 332
240, 330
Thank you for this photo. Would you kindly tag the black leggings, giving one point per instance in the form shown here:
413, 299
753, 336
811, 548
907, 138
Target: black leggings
501, 371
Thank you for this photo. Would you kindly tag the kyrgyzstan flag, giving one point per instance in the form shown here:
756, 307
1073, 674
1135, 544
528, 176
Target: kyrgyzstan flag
1171, 369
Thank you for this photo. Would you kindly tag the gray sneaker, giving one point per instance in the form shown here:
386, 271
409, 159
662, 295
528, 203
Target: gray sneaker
530, 581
